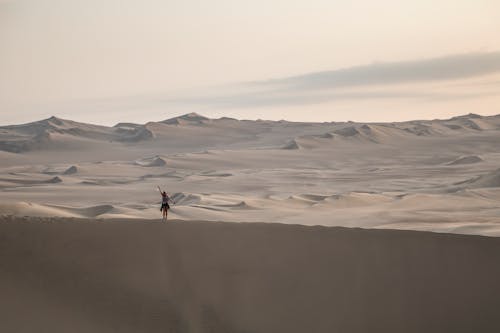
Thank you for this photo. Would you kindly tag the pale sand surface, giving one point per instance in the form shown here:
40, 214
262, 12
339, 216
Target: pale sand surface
82, 248
73, 275
436, 175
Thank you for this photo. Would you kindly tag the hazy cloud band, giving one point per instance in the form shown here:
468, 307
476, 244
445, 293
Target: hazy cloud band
325, 86
444, 68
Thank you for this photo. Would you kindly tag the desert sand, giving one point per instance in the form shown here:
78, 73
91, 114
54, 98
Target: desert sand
429, 175
74, 275
83, 248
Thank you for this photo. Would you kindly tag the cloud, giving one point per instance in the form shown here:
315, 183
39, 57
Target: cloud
270, 99
452, 67
358, 83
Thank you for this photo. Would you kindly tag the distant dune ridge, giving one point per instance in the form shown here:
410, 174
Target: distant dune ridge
432, 175
45, 133
50, 132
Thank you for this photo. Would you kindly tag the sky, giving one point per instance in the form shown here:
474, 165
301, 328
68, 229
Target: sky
109, 61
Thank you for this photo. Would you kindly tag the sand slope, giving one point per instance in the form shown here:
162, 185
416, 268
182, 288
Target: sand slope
67, 275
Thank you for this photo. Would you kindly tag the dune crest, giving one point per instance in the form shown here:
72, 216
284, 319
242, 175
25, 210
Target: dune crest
71, 170
292, 145
491, 179
155, 161
466, 160
187, 119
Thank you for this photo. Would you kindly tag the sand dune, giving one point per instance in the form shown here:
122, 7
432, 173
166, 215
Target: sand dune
25, 208
93, 211
364, 132
152, 162
28, 208
186, 199
136, 135
187, 119
30, 181
71, 170
293, 144
198, 131
70, 275
56, 132
434, 175
466, 160
108, 265
491, 179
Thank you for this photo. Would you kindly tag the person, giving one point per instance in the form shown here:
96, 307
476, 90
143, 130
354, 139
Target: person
164, 203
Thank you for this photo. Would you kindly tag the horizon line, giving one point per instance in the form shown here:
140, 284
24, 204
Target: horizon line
196, 114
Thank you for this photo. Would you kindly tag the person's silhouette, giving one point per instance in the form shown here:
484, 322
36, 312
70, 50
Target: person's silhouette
164, 203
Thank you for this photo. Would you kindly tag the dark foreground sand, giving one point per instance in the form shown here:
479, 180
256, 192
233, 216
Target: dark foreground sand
68, 275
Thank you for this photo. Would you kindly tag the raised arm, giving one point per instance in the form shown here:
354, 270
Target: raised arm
159, 189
